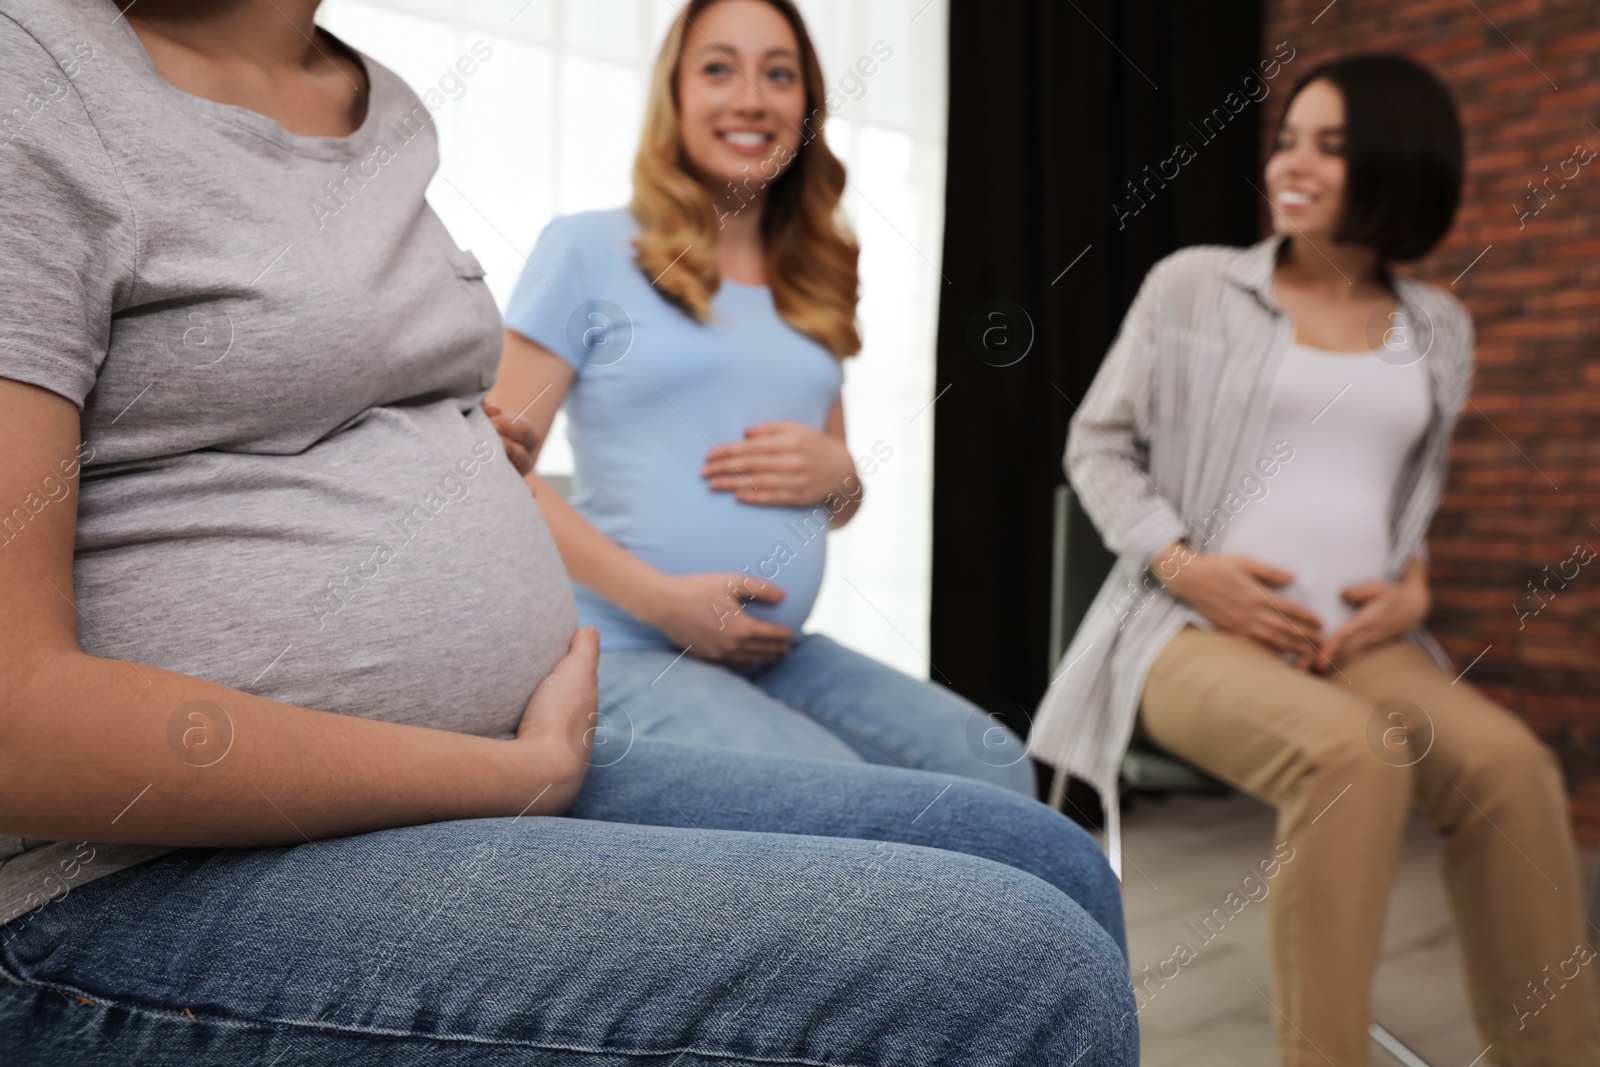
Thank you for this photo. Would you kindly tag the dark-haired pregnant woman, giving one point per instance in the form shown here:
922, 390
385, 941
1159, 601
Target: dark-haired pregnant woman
1283, 650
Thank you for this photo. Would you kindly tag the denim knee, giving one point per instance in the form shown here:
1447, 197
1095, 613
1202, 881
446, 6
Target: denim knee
996, 823
1054, 984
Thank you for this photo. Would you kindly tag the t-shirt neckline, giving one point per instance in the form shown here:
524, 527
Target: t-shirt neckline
332, 148
1334, 353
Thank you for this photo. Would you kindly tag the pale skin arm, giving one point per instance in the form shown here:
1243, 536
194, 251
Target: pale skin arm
84, 741
530, 388
855, 489
700, 612
777, 463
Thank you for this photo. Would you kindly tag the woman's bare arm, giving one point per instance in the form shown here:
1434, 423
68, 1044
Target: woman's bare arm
531, 386
88, 750
851, 500
702, 612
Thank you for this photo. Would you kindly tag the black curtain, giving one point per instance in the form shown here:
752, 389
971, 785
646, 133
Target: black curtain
1055, 105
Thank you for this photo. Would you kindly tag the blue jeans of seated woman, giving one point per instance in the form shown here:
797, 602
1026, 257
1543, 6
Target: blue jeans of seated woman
821, 701
698, 908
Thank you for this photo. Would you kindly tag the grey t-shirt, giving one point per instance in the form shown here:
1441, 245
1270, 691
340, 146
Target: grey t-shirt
287, 484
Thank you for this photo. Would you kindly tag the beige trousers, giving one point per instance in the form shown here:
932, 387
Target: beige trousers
1342, 757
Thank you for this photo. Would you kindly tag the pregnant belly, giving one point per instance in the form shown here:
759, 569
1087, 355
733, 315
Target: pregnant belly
370, 575
1325, 557
698, 532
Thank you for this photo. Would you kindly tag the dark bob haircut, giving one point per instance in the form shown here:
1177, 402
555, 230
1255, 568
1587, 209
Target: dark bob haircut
1403, 153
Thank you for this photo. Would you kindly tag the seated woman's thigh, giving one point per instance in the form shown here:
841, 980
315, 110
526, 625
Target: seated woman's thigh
503, 938
646, 692
889, 717
1455, 733
1236, 710
661, 783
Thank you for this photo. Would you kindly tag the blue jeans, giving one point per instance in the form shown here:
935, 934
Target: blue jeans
697, 908
821, 701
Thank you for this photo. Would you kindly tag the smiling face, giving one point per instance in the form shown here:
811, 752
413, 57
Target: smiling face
1306, 171
741, 95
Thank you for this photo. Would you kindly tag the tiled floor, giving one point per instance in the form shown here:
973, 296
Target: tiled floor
1183, 857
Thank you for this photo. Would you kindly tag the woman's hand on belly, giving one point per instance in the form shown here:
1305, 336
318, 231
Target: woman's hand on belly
704, 614
1385, 610
1237, 594
786, 464
518, 436
557, 727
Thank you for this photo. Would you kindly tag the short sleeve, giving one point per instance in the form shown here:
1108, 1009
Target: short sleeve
557, 302
66, 229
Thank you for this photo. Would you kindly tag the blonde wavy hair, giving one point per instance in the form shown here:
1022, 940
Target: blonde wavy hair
811, 256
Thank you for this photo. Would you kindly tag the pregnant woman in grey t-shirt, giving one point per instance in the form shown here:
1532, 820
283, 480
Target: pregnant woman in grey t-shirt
290, 695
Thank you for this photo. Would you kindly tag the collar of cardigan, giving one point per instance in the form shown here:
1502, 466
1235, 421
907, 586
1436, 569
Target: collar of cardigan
1252, 268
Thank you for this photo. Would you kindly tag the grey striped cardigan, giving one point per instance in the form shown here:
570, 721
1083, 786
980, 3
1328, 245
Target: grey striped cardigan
1172, 423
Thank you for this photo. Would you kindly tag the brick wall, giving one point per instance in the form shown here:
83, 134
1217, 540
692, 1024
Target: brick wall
1524, 487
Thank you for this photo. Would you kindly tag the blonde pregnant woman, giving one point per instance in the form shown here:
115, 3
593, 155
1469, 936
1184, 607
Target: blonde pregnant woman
697, 338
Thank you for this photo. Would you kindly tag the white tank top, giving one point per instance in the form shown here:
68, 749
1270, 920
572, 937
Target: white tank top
1350, 419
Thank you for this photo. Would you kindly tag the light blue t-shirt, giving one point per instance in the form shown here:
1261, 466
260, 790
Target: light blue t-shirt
654, 391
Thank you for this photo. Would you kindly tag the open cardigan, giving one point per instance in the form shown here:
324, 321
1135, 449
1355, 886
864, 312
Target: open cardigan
1171, 425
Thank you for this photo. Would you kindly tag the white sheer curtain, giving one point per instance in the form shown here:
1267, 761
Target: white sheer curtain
547, 124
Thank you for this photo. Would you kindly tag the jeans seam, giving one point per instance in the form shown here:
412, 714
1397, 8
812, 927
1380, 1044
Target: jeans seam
242, 1022
13, 974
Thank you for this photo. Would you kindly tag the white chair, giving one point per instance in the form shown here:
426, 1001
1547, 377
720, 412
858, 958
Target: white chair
1079, 565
